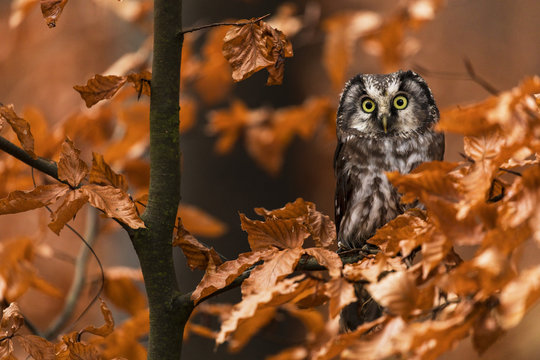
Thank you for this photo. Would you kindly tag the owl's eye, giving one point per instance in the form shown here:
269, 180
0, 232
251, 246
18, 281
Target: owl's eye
400, 102
368, 105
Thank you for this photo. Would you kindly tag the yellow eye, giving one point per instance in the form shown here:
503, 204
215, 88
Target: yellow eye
368, 105
400, 102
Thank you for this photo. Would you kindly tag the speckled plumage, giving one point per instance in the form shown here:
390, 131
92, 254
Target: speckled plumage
371, 143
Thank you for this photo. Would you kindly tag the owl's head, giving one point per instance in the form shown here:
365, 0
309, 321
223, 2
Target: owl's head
383, 105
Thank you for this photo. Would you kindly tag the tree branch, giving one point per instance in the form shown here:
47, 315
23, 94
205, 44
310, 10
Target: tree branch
46, 166
197, 28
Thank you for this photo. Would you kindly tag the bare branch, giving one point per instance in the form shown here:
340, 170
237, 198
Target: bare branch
221, 24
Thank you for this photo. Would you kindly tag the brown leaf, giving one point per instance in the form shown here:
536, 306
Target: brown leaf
341, 294
51, 10
20, 201
517, 297
227, 272
37, 347
266, 275
115, 203
121, 289
341, 33
141, 82
100, 87
397, 292
124, 340
73, 202
104, 329
292, 210
12, 320
328, 259
70, 167
198, 255
486, 331
229, 125
283, 292
248, 327
370, 268
213, 81
102, 174
199, 222
280, 233
20, 127
70, 349
264, 146
256, 46
19, 10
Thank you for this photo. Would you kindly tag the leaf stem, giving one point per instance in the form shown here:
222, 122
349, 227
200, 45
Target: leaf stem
197, 28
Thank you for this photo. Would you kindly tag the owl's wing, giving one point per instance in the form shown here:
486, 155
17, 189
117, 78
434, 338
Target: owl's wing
343, 185
436, 148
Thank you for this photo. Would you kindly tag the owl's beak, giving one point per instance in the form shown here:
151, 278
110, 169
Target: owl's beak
385, 123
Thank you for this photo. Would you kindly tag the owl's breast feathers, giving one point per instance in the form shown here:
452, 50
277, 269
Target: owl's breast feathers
365, 199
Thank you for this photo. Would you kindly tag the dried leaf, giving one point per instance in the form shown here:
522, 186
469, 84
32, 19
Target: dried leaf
266, 275
12, 320
73, 202
280, 233
70, 167
121, 289
341, 294
397, 292
198, 255
141, 82
115, 203
248, 327
328, 259
102, 174
20, 127
256, 46
43, 195
486, 331
227, 272
199, 222
37, 347
229, 124
104, 329
100, 87
51, 10
124, 340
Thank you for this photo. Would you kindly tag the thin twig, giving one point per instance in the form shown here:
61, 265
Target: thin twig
479, 80
197, 28
79, 277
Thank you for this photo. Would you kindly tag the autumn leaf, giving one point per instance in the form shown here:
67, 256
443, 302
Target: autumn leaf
328, 259
254, 46
198, 255
42, 195
397, 292
12, 320
70, 167
114, 202
73, 202
280, 233
229, 125
199, 222
102, 174
51, 10
106, 328
266, 275
341, 293
248, 327
141, 82
188, 114
19, 126
100, 87
121, 289
227, 272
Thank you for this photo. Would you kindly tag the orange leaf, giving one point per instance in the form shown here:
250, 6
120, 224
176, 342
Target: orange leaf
12, 320
69, 208
70, 167
100, 88
229, 124
255, 46
213, 81
37, 347
198, 255
280, 233
115, 203
199, 222
141, 82
248, 327
227, 272
121, 289
106, 328
188, 114
341, 294
102, 174
51, 10
328, 259
20, 127
124, 340
266, 275
397, 292
20, 201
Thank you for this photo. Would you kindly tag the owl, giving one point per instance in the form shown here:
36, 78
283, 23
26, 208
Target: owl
385, 122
